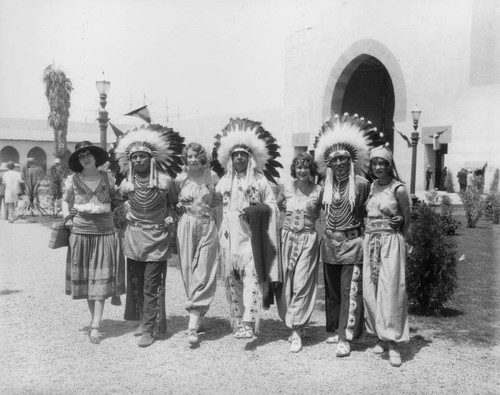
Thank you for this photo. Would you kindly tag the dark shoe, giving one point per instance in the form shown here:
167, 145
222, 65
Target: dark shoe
146, 339
138, 331
94, 335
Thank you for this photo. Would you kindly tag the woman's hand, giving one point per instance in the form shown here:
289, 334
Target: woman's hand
396, 222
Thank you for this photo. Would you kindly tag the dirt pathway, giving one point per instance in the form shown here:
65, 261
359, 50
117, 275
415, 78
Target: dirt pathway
44, 348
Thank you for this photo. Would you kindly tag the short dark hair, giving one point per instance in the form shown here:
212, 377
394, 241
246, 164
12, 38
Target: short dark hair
304, 158
201, 153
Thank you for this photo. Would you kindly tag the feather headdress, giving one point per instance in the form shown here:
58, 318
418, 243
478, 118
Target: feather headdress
163, 144
251, 137
349, 136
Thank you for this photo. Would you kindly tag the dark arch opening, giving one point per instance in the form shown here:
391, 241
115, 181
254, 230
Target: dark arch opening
9, 153
369, 92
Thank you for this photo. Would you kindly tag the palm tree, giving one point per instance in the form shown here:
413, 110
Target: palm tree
58, 89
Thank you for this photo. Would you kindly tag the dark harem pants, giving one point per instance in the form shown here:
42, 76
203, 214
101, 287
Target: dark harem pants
344, 300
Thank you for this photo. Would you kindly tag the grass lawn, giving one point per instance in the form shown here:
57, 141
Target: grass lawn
473, 313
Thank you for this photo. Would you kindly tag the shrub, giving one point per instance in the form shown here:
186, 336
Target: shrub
492, 207
30, 201
432, 197
449, 223
473, 204
431, 276
494, 182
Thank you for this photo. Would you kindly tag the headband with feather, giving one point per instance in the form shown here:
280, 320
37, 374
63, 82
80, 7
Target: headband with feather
251, 137
163, 145
349, 136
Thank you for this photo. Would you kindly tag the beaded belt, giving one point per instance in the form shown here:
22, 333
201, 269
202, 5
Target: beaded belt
341, 235
147, 227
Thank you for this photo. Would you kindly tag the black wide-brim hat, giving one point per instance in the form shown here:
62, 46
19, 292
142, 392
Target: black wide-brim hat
100, 155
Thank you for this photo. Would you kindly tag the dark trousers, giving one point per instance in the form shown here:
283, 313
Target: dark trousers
344, 300
148, 279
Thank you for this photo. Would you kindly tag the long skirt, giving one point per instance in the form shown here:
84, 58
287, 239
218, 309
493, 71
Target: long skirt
384, 286
300, 259
198, 248
95, 267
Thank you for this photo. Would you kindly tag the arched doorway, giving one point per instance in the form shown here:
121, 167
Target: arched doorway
367, 78
39, 156
369, 92
9, 153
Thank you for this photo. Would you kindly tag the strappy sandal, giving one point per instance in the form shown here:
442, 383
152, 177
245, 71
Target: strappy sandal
380, 347
243, 332
343, 349
95, 339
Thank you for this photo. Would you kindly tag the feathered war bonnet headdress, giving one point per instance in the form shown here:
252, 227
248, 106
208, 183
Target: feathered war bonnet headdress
163, 145
250, 137
349, 136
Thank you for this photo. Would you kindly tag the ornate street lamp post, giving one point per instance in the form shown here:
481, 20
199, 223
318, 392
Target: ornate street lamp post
415, 113
103, 89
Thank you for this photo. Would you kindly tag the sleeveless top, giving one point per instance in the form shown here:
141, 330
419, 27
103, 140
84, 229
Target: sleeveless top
382, 205
301, 211
90, 197
195, 198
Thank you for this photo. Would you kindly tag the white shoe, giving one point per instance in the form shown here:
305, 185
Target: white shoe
296, 344
332, 339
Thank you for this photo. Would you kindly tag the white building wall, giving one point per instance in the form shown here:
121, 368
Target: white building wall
432, 43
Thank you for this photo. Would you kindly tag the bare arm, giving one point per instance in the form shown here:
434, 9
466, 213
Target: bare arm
404, 206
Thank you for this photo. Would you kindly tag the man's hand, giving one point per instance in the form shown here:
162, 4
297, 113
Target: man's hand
396, 222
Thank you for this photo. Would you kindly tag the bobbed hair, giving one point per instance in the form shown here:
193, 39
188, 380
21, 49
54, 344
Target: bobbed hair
306, 159
201, 153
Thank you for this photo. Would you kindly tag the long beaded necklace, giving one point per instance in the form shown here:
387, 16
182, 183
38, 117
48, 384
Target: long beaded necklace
340, 207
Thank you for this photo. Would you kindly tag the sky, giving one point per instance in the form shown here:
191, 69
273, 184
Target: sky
185, 58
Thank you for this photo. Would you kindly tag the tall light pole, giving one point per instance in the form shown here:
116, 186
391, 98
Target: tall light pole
415, 113
103, 89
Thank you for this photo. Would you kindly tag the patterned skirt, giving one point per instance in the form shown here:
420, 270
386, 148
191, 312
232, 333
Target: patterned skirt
95, 266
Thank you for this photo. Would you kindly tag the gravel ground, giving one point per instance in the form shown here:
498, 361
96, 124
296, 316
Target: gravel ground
44, 348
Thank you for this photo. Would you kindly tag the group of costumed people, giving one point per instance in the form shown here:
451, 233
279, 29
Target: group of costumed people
222, 211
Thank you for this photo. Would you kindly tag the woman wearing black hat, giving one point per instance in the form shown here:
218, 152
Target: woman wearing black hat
92, 270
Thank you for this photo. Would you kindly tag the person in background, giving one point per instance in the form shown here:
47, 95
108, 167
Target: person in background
144, 155
444, 174
385, 251
428, 177
12, 181
197, 235
93, 264
3, 169
462, 179
300, 253
470, 180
